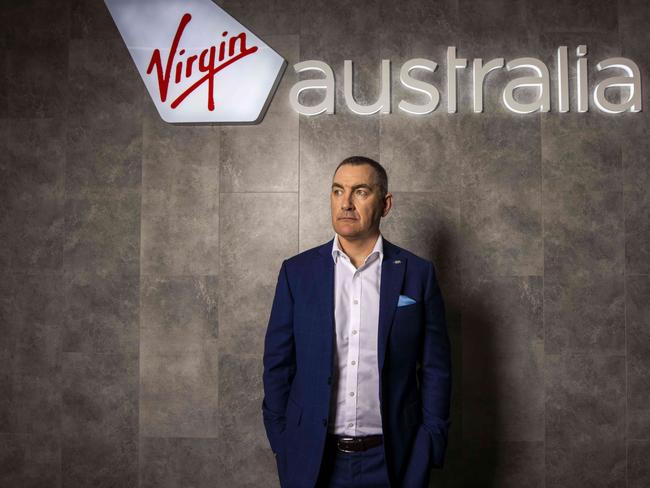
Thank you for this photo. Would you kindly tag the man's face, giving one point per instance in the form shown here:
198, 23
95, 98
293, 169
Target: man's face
355, 201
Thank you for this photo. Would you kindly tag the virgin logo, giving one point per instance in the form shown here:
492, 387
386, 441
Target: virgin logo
230, 50
198, 63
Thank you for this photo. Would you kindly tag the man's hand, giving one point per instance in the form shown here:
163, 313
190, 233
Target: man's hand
279, 360
435, 373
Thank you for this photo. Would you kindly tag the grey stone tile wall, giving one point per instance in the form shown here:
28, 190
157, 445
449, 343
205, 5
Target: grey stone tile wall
139, 259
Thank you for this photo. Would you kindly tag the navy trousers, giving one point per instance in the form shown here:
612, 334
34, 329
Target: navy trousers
362, 469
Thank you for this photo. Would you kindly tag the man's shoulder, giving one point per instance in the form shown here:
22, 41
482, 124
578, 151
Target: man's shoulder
415, 259
308, 256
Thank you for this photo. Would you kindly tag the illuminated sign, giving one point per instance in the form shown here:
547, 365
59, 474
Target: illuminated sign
198, 63
629, 80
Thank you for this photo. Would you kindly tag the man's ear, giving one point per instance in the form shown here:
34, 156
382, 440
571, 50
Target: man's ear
388, 203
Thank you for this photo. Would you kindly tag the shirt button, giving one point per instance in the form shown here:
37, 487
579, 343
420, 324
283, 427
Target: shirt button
356, 301
351, 393
353, 363
354, 332
350, 425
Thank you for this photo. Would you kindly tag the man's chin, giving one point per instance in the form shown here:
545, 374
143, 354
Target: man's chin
347, 230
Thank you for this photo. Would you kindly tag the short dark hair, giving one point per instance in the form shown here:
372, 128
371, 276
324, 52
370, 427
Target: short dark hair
380, 172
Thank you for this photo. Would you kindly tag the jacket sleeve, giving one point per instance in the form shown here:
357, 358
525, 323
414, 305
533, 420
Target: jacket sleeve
435, 371
279, 360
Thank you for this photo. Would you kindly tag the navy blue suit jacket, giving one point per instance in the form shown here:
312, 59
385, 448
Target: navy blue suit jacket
414, 364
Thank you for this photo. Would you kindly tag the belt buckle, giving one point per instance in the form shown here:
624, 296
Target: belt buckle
343, 439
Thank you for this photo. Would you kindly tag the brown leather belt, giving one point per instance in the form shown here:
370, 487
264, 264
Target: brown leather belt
354, 444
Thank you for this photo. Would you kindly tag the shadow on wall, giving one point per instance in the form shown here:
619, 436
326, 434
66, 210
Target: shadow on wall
473, 457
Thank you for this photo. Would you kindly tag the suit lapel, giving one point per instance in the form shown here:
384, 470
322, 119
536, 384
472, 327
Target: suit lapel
392, 277
393, 268
325, 269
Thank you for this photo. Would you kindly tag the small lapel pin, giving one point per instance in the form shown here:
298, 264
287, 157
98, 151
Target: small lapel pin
397, 261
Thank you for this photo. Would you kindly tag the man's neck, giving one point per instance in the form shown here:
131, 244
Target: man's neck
358, 249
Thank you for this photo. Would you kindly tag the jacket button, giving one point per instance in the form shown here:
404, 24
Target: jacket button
325, 422
329, 380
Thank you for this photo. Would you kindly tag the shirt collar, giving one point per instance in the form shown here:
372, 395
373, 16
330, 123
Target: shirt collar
379, 248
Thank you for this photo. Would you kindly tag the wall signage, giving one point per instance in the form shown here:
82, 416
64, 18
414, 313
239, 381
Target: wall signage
625, 75
199, 64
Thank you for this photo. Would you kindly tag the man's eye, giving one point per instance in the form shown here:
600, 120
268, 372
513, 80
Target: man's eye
362, 193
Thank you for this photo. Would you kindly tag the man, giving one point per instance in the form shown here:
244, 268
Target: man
357, 367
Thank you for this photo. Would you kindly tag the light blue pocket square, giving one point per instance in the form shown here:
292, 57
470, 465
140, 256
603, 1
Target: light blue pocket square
404, 300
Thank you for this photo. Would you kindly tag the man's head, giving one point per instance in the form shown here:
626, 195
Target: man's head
359, 197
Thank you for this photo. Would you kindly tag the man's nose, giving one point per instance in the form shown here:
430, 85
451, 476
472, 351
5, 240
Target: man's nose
346, 203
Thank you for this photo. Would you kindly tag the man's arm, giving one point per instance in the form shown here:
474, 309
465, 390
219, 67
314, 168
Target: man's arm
435, 373
279, 360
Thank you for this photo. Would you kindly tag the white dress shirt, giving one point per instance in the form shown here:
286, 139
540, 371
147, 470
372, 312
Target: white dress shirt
354, 407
